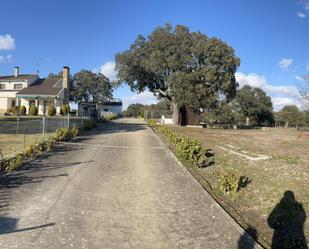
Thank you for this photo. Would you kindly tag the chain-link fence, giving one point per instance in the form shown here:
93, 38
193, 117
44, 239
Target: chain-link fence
17, 132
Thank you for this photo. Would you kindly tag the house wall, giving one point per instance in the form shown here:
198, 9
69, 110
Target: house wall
112, 108
9, 94
6, 98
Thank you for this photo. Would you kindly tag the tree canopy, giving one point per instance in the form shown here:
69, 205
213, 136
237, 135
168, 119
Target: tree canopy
185, 67
90, 87
255, 104
290, 115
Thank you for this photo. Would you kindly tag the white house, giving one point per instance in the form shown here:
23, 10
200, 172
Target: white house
101, 108
30, 89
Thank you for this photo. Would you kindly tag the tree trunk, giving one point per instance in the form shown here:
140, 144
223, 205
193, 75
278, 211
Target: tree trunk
247, 120
286, 125
175, 114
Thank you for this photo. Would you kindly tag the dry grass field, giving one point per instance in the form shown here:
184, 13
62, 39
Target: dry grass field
12, 143
286, 170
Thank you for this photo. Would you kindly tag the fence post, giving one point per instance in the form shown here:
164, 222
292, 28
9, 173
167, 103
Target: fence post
68, 120
17, 125
82, 123
24, 134
43, 127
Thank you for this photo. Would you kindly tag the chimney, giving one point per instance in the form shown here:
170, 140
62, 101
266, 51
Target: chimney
66, 81
16, 71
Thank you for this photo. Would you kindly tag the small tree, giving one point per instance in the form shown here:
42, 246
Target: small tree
51, 110
291, 115
15, 110
22, 110
64, 109
33, 110
254, 104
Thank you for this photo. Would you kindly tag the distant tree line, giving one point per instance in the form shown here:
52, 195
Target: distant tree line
163, 107
250, 105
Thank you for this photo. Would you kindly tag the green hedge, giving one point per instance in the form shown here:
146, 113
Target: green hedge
109, 117
22, 110
31, 150
186, 149
33, 110
51, 111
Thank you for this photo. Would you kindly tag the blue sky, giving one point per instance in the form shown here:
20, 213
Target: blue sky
270, 37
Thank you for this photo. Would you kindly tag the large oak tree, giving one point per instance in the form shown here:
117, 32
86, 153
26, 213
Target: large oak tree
253, 103
91, 87
187, 68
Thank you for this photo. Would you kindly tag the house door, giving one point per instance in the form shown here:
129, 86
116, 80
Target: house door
182, 116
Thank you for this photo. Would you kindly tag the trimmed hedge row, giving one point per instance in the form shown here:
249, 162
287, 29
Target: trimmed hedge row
32, 150
109, 117
186, 149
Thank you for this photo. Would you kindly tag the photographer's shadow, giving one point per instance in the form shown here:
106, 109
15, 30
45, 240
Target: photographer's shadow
287, 219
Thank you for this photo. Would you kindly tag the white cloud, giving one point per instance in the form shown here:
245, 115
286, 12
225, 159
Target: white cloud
306, 7
256, 80
1, 59
108, 69
280, 102
280, 94
301, 15
7, 42
9, 58
146, 98
299, 78
284, 63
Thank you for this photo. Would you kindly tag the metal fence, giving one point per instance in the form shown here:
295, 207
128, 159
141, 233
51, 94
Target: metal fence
17, 132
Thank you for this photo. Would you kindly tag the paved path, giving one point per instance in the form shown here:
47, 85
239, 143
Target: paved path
116, 187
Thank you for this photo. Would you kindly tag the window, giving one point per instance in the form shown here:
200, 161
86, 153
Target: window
2, 86
18, 86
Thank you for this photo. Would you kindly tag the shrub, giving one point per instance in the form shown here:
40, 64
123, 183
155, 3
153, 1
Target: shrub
33, 110
109, 117
151, 122
187, 149
230, 181
11, 163
64, 110
22, 110
51, 111
65, 134
15, 110
88, 124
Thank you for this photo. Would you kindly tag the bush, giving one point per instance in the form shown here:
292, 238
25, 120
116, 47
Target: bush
88, 124
15, 110
51, 111
33, 110
65, 134
22, 110
230, 181
10, 164
109, 117
62, 134
151, 122
64, 110
187, 149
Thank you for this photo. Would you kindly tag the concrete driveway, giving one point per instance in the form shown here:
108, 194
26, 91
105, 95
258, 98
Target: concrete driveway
116, 187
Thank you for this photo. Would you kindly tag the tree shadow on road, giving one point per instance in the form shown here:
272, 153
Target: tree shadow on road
8, 225
33, 172
287, 219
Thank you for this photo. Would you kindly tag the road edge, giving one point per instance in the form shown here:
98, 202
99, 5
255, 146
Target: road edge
219, 207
